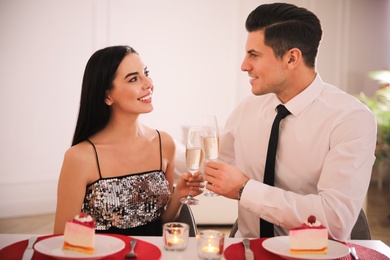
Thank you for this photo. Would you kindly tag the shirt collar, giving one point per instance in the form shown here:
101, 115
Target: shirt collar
299, 103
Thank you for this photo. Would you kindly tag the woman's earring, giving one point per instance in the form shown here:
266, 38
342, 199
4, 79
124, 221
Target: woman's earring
108, 102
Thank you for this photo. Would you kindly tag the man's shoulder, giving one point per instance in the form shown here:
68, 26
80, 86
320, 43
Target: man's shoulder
340, 98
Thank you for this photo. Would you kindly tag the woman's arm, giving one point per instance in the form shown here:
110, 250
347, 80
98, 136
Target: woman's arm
72, 184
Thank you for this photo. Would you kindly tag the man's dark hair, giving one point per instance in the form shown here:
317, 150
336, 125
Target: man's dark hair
287, 26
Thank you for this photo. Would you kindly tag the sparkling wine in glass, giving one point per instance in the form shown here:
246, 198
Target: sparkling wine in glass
194, 156
210, 142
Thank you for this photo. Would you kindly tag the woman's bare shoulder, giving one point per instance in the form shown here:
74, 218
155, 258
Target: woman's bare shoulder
79, 151
168, 144
165, 137
80, 162
151, 134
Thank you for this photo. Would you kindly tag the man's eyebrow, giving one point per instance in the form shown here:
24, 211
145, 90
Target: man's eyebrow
131, 74
252, 51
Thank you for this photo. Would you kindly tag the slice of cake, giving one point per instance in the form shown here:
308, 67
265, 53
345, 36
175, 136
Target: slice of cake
309, 238
79, 234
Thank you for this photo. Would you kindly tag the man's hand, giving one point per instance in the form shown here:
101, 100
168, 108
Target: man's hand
224, 179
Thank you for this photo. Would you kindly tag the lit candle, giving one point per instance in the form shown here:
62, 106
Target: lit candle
175, 236
175, 241
210, 249
210, 245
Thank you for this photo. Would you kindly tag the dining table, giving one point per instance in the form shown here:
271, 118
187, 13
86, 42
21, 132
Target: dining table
150, 248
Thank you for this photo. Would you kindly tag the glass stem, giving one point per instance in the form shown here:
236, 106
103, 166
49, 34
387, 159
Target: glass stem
190, 192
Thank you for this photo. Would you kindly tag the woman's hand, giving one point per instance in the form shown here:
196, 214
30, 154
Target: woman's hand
188, 181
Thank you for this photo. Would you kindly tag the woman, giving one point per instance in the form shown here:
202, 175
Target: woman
118, 170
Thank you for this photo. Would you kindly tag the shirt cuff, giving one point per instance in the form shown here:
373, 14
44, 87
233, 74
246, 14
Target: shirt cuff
251, 194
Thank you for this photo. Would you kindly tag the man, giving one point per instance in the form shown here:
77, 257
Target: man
326, 145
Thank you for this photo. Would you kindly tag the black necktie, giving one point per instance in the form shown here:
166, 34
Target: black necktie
266, 228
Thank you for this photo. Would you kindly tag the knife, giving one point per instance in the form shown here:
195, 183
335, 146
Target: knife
248, 251
353, 253
29, 252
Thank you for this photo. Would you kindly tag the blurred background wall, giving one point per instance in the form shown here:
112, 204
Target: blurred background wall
192, 48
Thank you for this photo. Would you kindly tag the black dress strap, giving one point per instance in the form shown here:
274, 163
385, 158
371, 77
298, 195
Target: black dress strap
159, 138
97, 158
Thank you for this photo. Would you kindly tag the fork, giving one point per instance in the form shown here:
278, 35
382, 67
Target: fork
132, 253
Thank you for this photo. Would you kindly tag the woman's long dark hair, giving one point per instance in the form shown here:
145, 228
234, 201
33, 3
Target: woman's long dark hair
99, 73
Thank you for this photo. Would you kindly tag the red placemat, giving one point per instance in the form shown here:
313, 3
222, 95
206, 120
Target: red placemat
144, 250
365, 253
236, 252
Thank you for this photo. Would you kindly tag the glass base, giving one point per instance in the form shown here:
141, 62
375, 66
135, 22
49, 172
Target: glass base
174, 249
189, 201
210, 258
210, 194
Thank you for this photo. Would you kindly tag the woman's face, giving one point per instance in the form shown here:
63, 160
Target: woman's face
132, 88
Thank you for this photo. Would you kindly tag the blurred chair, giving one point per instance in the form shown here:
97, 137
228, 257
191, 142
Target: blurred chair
361, 229
187, 217
234, 229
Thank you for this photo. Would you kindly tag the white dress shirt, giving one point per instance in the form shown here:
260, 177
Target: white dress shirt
323, 163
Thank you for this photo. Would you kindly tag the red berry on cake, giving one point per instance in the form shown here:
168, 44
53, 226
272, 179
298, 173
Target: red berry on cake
83, 215
311, 219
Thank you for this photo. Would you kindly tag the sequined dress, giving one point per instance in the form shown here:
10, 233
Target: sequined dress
130, 204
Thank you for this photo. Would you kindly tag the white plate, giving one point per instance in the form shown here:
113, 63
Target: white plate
104, 246
281, 246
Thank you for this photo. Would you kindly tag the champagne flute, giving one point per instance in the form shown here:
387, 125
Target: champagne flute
210, 142
194, 156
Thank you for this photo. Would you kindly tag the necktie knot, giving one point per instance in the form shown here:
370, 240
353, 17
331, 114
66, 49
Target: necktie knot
282, 111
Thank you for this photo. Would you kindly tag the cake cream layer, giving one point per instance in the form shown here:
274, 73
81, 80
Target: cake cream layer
308, 239
79, 235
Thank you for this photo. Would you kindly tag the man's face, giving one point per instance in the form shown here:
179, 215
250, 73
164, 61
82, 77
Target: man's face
267, 73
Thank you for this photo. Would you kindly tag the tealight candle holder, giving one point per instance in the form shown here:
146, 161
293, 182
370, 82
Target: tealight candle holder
175, 235
210, 244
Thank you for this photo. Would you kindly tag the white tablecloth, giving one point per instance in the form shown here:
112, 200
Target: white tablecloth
190, 252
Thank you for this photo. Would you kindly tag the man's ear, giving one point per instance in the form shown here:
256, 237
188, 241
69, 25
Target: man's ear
293, 56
